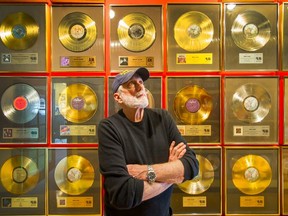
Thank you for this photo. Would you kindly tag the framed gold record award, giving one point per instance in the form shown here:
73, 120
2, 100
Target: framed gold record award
77, 108
74, 182
201, 195
77, 38
252, 181
194, 103
23, 37
251, 36
193, 37
136, 37
23, 110
153, 87
251, 110
23, 183
284, 191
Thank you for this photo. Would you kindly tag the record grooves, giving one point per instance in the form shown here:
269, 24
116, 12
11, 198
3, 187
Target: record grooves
136, 32
20, 103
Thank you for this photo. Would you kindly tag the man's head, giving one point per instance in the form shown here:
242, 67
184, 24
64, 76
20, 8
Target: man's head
126, 75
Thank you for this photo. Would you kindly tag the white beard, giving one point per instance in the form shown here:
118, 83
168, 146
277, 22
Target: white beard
134, 101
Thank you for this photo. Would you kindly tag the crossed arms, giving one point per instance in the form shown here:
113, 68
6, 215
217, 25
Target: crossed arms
167, 173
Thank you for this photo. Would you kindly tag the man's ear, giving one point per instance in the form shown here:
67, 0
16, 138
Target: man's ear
117, 98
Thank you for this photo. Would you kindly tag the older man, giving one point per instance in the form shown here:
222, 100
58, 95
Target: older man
141, 152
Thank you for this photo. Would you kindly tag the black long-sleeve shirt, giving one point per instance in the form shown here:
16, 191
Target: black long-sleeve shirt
123, 142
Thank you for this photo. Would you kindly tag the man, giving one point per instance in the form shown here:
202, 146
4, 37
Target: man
141, 152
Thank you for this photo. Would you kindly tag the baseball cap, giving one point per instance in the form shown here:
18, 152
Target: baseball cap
126, 75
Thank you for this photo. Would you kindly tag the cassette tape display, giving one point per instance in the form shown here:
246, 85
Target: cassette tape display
23, 37
22, 180
252, 181
74, 185
77, 108
251, 37
136, 37
251, 110
194, 37
153, 90
77, 38
23, 110
194, 103
201, 195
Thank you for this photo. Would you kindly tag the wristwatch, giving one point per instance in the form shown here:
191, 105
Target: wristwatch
151, 175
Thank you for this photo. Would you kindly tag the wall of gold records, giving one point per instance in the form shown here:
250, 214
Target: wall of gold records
219, 67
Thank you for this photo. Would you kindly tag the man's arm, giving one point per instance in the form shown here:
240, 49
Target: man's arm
152, 190
169, 172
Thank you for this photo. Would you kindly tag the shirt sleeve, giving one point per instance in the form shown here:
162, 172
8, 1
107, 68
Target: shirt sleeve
122, 190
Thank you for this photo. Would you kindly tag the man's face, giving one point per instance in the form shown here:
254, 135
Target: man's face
133, 94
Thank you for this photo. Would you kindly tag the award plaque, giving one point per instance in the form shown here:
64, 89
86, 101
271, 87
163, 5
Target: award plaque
251, 110
201, 195
23, 110
77, 108
136, 37
74, 183
284, 36
194, 103
252, 181
251, 37
194, 37
285, 180
23, 182
23, 37
77, 38
153, 90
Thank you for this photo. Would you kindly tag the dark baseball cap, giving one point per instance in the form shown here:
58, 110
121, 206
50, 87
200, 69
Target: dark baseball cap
126, 75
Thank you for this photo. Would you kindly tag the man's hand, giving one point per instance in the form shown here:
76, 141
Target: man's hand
138, 171
176, 152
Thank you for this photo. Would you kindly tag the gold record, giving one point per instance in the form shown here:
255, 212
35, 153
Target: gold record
77, 32
192, 105
251, 30
251, 103
136, 32
74, 175
202, 181
20, 103
251, 174
77, 103
150, 99
19, 175
19, 31
193, 31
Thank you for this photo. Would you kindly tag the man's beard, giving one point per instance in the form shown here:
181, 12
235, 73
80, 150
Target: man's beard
134, 101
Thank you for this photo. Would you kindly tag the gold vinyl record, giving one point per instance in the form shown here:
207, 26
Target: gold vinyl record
251, 30
193, 31
192, 105
136, 32
77, 32
251, 174
202, 181
77, 103
150, 99
74, 175
251, 103
20, 103
19, 175
19, 31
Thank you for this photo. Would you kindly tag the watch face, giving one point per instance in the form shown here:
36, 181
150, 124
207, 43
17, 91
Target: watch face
151, 176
